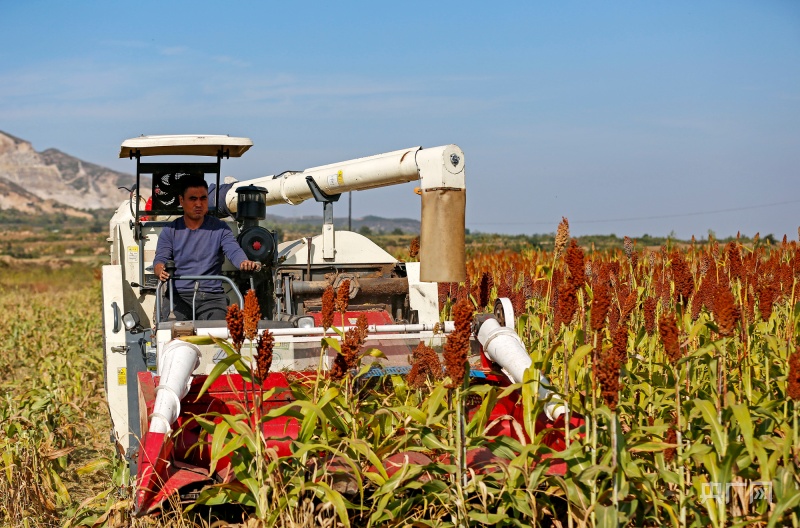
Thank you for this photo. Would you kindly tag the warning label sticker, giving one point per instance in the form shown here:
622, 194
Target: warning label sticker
122, 378
133, 253
219, 355
334, 180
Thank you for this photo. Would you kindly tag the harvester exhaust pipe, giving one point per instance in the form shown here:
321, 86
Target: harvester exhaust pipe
179, 359
503, 346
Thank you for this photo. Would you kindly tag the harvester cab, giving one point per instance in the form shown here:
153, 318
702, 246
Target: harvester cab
152, 377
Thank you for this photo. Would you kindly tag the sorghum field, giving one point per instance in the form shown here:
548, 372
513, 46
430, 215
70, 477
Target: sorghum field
683, 360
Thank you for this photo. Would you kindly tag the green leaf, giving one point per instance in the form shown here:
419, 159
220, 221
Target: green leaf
529, 396
399, 386
91, 466
334, 497
8, 460
650, 447
374, 352
487, 518
434, 403
709, 414
206, 424
577, 357
415, 414
331, 342
198, 340
329, 395
432, 441
606, 516
219, 449
216, 495
307, 427
697, 449
696, 328
362, 447
61, 489
219, 369
742, 414
224, 345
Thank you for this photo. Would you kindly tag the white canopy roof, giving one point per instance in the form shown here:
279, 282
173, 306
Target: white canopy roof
185, 145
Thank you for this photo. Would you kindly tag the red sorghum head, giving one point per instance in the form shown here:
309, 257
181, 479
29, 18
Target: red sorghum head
266, 342
252, 314
235, 320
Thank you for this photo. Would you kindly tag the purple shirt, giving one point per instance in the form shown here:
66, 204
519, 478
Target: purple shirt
198, 251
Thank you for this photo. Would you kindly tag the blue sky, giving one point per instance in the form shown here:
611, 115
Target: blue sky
625, 117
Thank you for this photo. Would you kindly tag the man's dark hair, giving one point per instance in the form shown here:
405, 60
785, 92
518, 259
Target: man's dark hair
192, 180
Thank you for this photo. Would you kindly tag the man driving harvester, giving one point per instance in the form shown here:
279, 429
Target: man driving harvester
196, 243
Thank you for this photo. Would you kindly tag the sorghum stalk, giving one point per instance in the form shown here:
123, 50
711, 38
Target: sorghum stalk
766, 367
614, 469
791, 305
795, 429
719, 386
593, 426
679, 435
462, 435
256, 396
721, 370
455, 356
562, 237
568, 343
650, 351
793, 390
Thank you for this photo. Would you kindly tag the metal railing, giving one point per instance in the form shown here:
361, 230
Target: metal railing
196, 278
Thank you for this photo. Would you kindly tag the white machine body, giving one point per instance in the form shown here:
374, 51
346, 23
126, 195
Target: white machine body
402, 296
129, 283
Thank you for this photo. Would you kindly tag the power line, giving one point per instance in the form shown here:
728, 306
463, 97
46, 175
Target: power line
656, 217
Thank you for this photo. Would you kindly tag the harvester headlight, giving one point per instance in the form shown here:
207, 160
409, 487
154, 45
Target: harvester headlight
305, 322
132, 322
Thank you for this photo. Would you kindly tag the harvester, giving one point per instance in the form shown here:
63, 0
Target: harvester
153, 374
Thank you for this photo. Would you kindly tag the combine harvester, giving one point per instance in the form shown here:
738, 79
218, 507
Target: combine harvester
152, 377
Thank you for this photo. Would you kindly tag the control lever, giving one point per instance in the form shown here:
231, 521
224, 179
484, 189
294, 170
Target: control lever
170, 268
194, 302
250, 274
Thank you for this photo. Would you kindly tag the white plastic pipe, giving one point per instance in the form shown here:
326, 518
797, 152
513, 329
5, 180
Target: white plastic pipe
503, 346
354, 175
178, 361
441, 166
446, 328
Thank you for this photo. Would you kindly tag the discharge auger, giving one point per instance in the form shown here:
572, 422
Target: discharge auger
156, 381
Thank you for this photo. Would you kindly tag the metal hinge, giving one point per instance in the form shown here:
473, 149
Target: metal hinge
121, 349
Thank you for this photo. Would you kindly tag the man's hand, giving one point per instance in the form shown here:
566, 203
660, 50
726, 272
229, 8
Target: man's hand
249, 265
160, 272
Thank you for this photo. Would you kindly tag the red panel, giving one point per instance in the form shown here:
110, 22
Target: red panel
153, 471
167, 464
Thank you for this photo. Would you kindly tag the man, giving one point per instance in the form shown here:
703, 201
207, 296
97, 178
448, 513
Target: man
197, 242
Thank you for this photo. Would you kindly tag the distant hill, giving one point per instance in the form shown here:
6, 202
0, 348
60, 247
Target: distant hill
31, 179
14, 197
375, 224
43, 188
